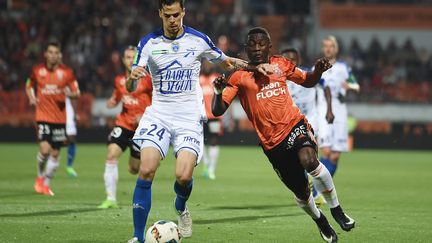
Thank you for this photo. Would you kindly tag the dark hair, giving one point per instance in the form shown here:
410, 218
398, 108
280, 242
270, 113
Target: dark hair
129, 48
170, 2
290, 49
258, 30
54, 43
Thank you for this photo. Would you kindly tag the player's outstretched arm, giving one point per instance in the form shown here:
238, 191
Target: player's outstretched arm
218, 104
231, 64
312, 78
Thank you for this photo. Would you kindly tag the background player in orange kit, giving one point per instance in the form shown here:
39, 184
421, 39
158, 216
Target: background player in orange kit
134, 105
286, 136
53, 81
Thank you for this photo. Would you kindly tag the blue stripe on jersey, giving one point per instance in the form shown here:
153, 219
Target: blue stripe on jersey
143, 42
202, 36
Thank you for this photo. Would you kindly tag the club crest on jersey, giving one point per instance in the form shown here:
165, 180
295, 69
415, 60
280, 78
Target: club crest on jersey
42, 72
175, 46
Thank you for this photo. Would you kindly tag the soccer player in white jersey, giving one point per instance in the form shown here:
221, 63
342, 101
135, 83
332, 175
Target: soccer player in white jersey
71, 132
304, 98
173, 56
339, 79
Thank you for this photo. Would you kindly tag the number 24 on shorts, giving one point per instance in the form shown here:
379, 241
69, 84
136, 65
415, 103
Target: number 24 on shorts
160, 133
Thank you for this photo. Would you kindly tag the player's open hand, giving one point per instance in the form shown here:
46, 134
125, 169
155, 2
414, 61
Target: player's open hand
33, 101
219, 84
322, 65
138, 72
267, 68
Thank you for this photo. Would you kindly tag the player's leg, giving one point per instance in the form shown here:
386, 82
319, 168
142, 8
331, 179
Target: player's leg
50, 169
287, 166
215, 127
205, 152
152, 138
142, 197
188, 145
185, 164
41, 159
134, 161
111, 176
71, 153
339, 144
323, 182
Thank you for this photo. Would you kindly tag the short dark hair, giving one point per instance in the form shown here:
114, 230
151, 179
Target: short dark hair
53, 42
259, 30
170, 2
290, 49
129, 48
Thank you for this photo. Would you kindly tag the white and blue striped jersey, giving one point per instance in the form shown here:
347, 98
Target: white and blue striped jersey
174, 65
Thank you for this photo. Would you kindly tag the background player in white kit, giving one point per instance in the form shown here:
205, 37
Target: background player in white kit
173, 56
71, 132
304, 98
339, 79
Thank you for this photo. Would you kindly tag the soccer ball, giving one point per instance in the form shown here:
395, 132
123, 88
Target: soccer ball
163, 232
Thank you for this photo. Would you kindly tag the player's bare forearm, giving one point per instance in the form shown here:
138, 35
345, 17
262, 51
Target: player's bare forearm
218, 105
232, 64
329, 115
74, 95
31, 95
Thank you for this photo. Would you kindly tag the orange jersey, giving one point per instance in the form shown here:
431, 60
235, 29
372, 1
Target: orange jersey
266, 100
50, 91
134, 103
206, 82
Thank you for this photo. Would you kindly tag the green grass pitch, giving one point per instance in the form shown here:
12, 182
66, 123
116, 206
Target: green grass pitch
387, 192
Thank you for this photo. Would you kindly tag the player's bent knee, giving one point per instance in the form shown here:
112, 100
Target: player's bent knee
308, 159
183, 179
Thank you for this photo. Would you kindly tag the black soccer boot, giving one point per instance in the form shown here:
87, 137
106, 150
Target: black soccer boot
326, 231
345, 222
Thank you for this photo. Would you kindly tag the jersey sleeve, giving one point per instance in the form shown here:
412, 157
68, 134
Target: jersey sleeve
211, 52
142, 54
232, 88
290, 71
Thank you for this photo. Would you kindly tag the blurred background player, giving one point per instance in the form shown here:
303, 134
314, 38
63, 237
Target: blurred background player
304, 98
213, 128
339, 79
134, 104
286, 137
53, 82
71, 132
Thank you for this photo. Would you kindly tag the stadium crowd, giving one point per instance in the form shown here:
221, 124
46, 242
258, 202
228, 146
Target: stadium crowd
93, 34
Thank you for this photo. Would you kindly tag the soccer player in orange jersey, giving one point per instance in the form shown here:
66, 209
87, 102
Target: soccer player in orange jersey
134, 104
53, 81
286, 136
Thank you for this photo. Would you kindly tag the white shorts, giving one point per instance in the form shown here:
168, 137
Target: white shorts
71, 129
339, 136
324, 128
159, 133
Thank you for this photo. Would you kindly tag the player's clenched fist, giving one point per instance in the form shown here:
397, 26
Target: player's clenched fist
138, 72
219, 84
322, 65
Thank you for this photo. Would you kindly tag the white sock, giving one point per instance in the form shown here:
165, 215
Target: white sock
111, 178
323, 183
205, 157
41, 161
50, 169
213, 158
309, 207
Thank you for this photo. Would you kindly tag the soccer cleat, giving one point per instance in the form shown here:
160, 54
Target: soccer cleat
108, 204
133, 240
185, 223
326, 231
47, 191
211, 176
39, 184
71, 172
319, 200
345, 222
